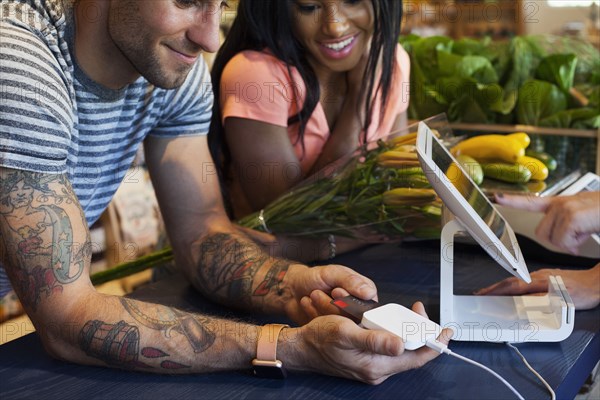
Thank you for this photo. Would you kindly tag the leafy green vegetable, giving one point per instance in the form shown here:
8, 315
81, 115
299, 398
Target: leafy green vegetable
525, 80
470, 47
477, 67
538, 100
558, 69
426, 50
579, 118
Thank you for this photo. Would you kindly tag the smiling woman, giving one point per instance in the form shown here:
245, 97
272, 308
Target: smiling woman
335, 35
299, 84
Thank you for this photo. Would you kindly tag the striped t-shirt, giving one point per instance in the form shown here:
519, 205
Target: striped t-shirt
54, 119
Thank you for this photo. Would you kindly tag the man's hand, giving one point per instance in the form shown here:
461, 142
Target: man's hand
335, 345
583, 286
313, 288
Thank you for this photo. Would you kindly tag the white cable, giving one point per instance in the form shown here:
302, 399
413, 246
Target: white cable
552, 394
442, 348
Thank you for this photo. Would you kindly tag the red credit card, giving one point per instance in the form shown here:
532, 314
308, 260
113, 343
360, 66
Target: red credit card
354, 306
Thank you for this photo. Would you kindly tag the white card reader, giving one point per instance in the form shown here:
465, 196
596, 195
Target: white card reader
413, 328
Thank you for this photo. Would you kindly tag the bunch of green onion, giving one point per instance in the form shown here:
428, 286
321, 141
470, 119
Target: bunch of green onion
380, 189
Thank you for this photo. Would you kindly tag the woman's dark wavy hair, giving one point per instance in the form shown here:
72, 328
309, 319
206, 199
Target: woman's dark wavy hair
261, 24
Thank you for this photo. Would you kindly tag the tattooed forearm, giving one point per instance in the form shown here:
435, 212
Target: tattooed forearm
229, 265
36, 219
118, 345
165, 319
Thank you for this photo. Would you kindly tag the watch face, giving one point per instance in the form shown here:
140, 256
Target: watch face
268, 369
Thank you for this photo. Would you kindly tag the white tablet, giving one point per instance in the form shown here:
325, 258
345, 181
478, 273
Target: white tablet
469, 205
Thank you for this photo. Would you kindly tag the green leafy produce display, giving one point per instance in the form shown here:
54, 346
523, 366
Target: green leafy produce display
526, 80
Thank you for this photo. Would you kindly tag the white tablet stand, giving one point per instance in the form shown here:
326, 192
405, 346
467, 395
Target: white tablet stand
527, 318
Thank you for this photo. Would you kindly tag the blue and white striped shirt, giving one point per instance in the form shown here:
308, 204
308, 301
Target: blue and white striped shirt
55, 119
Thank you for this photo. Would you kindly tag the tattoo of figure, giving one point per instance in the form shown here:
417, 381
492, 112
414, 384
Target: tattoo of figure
36, 220
166, 319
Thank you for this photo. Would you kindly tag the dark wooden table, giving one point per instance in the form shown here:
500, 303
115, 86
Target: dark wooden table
404, 273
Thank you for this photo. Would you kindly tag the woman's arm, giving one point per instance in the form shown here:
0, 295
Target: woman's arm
263, 159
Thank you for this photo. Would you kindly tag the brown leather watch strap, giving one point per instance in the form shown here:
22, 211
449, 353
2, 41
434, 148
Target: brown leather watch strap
266, 347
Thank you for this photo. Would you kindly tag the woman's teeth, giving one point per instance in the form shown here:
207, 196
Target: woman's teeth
339, 45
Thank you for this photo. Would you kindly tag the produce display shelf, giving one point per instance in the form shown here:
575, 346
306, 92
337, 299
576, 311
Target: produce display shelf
469, 128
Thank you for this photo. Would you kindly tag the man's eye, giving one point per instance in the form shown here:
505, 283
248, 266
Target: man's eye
186, 3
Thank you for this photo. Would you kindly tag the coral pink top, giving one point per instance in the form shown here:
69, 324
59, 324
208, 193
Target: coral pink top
256, 85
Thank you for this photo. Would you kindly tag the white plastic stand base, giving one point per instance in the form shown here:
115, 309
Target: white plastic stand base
527, 318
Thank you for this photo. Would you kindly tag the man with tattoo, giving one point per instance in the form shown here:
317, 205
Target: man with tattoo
84, 83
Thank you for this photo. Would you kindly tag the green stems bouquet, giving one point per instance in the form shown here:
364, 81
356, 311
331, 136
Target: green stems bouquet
379, 193
380, 189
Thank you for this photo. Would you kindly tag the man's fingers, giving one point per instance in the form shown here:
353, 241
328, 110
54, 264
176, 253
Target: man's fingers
348, 280
377, 342
418, 358
419, 308
308, 308
321, 303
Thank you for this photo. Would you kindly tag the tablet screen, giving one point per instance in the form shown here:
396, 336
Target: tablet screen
469, 204
471, 193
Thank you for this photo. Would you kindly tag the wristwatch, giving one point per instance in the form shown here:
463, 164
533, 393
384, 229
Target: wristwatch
266, 364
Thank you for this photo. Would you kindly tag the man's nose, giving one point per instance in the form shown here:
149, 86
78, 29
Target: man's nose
204, 32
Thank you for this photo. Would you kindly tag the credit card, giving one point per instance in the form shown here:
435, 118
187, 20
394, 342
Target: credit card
354, 306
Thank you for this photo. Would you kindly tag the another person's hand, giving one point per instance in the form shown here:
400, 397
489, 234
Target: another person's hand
582, 285
314, 288
335, 345
569, 220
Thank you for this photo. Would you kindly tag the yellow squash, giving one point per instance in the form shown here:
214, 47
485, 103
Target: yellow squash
539, 170
491, 147
521, 137
472, 167
408, 197
404, 139
397, 159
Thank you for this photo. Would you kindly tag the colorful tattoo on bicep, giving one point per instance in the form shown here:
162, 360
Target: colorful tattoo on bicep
38, 233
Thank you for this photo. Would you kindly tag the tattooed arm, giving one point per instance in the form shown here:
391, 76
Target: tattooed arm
45, 249
219, 259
